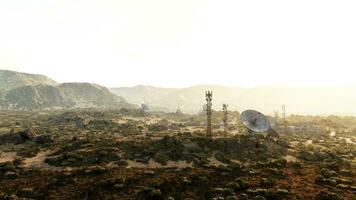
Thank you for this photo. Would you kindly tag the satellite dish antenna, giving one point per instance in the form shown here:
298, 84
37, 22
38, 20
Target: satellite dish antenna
255, 121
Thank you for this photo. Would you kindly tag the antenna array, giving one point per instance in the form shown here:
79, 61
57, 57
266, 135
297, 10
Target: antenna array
209, 98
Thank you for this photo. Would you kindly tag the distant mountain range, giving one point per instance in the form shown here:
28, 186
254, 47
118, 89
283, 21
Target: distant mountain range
338, 100
21, 91
24, 91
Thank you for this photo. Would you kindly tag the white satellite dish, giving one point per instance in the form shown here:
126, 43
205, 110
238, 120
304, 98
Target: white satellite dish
255, 121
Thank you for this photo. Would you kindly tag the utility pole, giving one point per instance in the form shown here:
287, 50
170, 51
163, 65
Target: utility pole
208, 97
284, 118
276, 118
225, 118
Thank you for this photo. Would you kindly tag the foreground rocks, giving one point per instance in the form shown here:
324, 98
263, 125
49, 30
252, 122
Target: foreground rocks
123, 154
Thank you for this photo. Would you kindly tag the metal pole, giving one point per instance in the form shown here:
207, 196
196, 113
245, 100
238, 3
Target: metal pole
284, 118
225, 118
208, 97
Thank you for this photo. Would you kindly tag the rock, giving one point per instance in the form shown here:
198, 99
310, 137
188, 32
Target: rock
258, 191
219, 190
252, 172
19, 137
187, 181
283, 143
232, 197
321, 180
224, 174
28, 134
155, 193
344, 181
343, 186
282, 192
234, 166
8, 197
307, 155
222, 158
149, 172
229, 191
266, 182
43, 139
7, 166
10, 175
233, 185
243, 184
274, 171
334, 196
296, 165
279, 163
327, 196
260, 198
201, 180
327, 173
18, 162
26, 192
96, 170
243, 196
346, 172
118, 186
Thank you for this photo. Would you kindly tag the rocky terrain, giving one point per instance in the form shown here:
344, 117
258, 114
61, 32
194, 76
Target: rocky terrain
129, 154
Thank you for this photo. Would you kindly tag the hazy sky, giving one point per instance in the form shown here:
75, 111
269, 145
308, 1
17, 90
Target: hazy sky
182, 42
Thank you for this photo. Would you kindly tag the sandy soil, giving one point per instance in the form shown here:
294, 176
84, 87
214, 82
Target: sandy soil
39, 161
290, 158
215, 162
7, 156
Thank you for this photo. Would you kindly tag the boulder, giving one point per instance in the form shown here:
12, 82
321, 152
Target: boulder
28, 134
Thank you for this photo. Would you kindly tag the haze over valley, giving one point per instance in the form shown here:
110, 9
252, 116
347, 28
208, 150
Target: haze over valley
35, 92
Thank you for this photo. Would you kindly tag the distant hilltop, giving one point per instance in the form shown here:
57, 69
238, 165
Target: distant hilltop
11, 79
22, 91
336, 100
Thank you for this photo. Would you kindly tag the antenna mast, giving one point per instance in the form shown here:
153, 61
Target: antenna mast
225, 118
284, 118
208, 97
276, 118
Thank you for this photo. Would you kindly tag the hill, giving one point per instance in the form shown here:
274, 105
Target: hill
299, 100
92, 95
11, 79
63, 96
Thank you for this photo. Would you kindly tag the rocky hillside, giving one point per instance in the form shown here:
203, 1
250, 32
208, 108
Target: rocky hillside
34, 98
63, 96
92, 95
22, 91
11, 79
